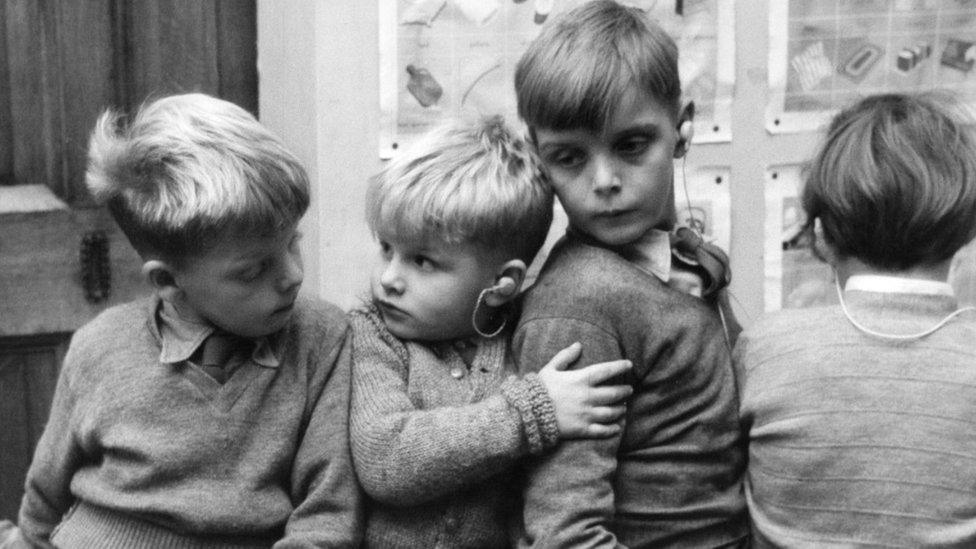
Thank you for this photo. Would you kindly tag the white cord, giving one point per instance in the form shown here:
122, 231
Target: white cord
906, 337
725, 326
691, 213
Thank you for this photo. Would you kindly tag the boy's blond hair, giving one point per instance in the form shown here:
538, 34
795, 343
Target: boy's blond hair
465, 182
187, 169
894, 182
584, 63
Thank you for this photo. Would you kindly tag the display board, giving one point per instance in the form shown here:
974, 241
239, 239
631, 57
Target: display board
451, 57
824, 54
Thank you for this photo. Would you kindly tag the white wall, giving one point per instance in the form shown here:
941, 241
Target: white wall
318, 87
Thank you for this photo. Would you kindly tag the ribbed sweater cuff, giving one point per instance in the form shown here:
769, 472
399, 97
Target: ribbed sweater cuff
92, 526
535, 407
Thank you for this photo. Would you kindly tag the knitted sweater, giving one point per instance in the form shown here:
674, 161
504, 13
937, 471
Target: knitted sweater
434, 440
139, 453
672, 478
856, 439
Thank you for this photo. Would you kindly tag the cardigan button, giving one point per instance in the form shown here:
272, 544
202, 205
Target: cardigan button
457, 373
451, 524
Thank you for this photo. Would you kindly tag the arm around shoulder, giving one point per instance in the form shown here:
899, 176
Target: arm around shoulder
569, 494
406, 455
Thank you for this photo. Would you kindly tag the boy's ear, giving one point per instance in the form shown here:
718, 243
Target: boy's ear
161, 276
686, 130
508, 282
821, 248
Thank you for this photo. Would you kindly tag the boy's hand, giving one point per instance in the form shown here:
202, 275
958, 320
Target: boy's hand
10, 537
584, 407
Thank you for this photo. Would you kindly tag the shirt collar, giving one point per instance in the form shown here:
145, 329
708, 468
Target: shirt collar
180, 338
652, 253
898, 285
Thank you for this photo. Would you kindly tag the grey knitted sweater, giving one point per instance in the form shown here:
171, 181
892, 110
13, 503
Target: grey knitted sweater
435, 439
673, 477
139, 453
856, 440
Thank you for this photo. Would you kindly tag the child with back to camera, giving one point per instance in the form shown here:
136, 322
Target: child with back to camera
438, 420
860, 415
213, 413
599, 90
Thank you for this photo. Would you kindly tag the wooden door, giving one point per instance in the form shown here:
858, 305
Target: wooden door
62, 62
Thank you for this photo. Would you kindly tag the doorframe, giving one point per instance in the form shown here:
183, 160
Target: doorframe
317, 89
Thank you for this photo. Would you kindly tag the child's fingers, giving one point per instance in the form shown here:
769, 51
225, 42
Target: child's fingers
600, 372
607, 414
564, 358
600, 430
609, 394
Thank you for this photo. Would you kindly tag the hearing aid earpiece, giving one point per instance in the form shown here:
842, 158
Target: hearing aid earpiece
506, 286
686, 130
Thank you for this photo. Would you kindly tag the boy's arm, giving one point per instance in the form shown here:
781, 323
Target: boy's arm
47, 494
328, 502
405, 455
569, 494
10, 537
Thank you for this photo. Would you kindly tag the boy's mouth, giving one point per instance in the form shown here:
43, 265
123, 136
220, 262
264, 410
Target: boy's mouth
611, 214
390, 309
285, 308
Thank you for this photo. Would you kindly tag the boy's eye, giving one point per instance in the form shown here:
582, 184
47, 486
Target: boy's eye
385, 249
424, 262
252, 273
633, 146
566, 158
293, 245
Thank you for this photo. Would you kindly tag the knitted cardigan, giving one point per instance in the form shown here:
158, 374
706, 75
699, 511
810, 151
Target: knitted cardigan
139, 453
673, 476
434, 441
858, 440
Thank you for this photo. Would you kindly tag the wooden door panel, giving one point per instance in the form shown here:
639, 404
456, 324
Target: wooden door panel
30, 71
28, 371
62, 62
6, 120
237, 40
41, 289
173, 46
88, 85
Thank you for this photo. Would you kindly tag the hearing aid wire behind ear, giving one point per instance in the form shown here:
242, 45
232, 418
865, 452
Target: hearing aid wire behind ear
506, 285
689, 115
687, 118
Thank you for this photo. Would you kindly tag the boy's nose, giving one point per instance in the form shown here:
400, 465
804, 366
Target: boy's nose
605, 179
292, 272
390, 279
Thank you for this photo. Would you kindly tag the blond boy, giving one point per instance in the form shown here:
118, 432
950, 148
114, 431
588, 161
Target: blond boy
214, 412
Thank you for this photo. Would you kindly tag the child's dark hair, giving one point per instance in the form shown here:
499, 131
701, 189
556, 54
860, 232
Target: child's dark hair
894, 182
189, 167
584, 64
